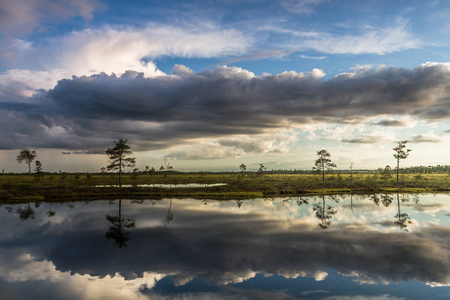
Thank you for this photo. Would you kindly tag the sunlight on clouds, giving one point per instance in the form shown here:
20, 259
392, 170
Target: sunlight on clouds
116, 50
24, 83
277, 141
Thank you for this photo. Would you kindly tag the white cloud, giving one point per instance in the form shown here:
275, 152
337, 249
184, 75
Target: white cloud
312, 57
119, 49
375, 41
356, 40
114, 50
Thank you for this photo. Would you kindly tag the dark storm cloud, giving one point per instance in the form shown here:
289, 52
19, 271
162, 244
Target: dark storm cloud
87, 112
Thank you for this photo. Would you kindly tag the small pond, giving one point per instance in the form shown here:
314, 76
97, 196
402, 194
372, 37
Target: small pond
324, 247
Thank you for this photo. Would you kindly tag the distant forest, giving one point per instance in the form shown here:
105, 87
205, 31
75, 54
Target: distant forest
439, 169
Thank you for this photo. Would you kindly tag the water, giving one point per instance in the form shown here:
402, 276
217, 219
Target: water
353, 247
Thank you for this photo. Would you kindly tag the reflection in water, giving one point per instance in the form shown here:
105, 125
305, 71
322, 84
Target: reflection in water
262, 249
51, 213
169, 216
239, 203
325, 213
385, 199
117, 231
26, 212
403, 220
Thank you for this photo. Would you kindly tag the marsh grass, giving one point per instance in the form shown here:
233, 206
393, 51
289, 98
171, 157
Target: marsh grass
249, 185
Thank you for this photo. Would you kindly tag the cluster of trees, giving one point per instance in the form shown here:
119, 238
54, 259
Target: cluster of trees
28, 157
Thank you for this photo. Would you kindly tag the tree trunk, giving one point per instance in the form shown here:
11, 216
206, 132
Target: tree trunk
323, 172
29, 169
120, 173
398, 167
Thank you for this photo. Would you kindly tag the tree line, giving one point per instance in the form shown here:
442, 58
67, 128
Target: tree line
120, 157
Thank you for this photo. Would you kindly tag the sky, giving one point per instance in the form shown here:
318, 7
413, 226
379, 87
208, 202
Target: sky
209, 85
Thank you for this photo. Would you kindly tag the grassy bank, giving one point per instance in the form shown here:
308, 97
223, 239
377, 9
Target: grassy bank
61, 187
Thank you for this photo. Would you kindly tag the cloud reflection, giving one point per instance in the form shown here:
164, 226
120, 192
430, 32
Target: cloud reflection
227, 243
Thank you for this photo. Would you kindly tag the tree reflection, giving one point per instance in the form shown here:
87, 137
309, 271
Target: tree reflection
403, 220
26, 212
169, 216
50, 213
324, 212
301, 201
117, 231
385, 199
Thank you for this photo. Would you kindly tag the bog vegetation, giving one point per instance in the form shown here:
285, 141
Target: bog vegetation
323, 178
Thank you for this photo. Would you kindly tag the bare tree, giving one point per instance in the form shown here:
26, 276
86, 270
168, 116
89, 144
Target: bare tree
243, 168
118, 159
400, 153
323, 163
27, 156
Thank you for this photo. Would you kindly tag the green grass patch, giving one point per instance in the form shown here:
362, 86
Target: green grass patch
59, 187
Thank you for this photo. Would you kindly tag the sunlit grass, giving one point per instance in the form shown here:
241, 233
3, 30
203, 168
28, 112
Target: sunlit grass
238, 185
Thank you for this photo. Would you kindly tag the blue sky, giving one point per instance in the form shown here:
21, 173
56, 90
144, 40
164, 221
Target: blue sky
209, 85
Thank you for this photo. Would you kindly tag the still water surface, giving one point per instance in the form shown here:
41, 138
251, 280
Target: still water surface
330, 247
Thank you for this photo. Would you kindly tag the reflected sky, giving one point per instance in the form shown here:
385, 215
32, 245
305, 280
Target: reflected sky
252, 249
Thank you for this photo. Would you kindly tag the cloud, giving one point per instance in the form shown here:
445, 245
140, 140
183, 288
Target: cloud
365, 140
375, 41
300, 6
277, 141
116, 49
261, 54
312, 57
25, 16
164, 111
417, 139
390, 123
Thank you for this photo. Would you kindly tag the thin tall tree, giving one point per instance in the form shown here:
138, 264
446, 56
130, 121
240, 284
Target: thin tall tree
118, 157
400, 153
323, 163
